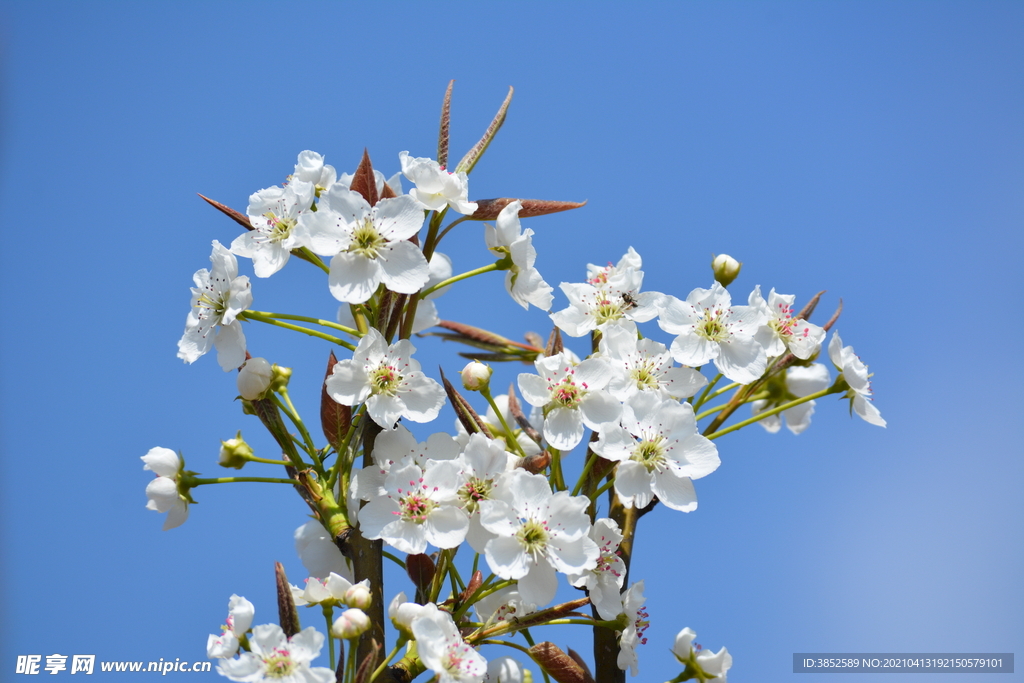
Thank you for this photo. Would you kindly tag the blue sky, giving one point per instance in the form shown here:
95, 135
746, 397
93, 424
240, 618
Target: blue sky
873, 150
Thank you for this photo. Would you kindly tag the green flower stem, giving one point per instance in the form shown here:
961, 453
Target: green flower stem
557, 482
711, 411
289, 409
254, 315
607, 485
587, 466
430, 244
724, 389
707, 390
197, 481
306, 319
450, 226
506, 643
343, 465
315, 260
268, 462
328, 613
768, 413
383, 665
511, 436
393, 558
456, 278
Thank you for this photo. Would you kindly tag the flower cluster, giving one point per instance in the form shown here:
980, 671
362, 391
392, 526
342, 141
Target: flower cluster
512, 486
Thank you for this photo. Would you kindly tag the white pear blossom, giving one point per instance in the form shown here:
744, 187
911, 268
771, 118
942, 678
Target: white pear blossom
507, 240
163, 492
636, 623
219, 296
709, 328
318, 552
611, 295
604, 581
311, 168
404, 613
442, 650
645, 365
798, 382
572, 395
781, 331
420, 507
274, 214
502, 605
388, 380
659, 452
490, 418
368, 245
482, 465
856, 374
536, 533
274, 657
351, 624
435, 186
240, 615
716, 664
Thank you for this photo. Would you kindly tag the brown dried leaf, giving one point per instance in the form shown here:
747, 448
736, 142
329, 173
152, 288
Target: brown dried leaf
559, 665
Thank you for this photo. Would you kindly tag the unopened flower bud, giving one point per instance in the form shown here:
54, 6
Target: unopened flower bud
234, 452
476, 376
726, 269
351, 624
358, 596
254, 378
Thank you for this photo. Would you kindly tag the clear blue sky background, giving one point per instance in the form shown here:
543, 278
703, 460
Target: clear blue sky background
874, 150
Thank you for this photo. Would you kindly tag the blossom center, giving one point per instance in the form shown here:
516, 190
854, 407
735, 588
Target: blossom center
566, 393
475, 490
280, 228
650, 453
385, 379
712, 326
366, 240
645, 375
279, 664
533, 536
416, 507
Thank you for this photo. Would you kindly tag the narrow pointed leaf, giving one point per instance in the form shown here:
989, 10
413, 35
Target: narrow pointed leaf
467, 416
517, 413
488, 209
236, 216
287, 615
554, 346
806, 311
442, 135
473, 155
559, 665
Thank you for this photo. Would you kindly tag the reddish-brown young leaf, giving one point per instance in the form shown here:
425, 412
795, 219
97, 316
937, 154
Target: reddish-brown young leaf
806, 311
473, 155
554, 346
488, 209
287, 615
363, 181
335, 418
420, 569
559, 665
467, 416
236, 216
442, 135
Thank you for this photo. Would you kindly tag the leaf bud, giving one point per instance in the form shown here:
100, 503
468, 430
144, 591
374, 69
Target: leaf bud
726, 269
254, 378
476, 376
234, 452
